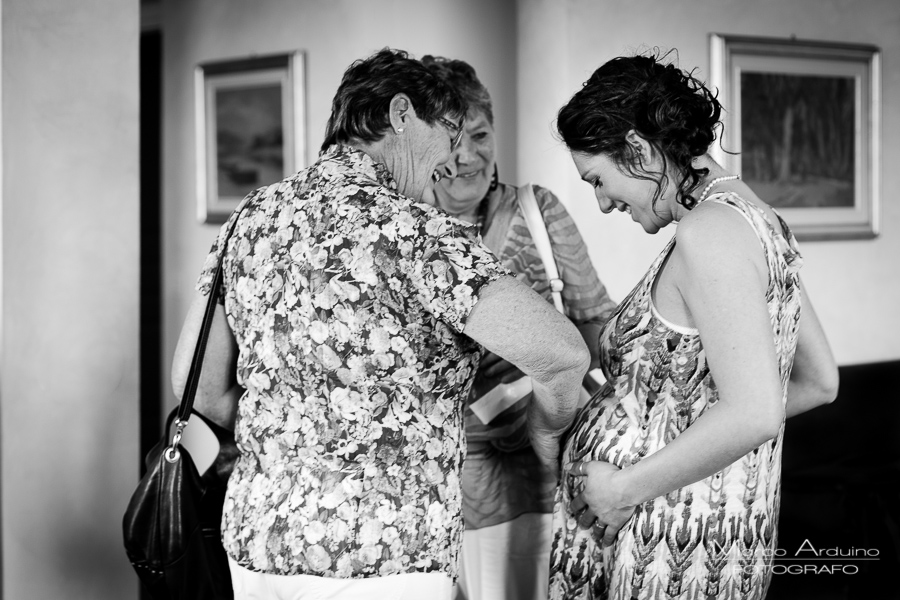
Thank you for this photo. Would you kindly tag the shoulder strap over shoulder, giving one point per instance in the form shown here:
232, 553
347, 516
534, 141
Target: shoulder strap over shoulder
538, 228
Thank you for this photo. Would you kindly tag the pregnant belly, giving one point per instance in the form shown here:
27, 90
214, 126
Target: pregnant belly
603, 431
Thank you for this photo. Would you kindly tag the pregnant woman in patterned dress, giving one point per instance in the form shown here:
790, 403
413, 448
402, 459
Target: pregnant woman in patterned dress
673, 469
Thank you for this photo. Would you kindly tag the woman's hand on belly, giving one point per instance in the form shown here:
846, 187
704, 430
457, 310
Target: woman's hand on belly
599, 505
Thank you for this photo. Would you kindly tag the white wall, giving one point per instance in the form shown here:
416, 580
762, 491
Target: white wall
69, 390
333, 34
855, 285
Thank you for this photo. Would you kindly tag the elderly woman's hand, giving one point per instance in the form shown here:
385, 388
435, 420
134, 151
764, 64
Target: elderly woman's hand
545, 443
599, 504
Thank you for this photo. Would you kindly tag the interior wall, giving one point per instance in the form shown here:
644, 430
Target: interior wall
69, 389
854, 284
333, 34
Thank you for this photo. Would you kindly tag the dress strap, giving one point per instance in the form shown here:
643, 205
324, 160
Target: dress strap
776, 241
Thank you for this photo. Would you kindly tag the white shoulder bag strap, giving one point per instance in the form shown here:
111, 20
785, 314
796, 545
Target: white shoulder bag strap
538, 228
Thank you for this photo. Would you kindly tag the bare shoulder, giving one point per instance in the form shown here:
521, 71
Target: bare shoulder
712, 226
714, 236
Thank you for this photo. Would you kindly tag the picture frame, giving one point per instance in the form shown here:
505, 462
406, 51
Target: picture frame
802, 126
250, 128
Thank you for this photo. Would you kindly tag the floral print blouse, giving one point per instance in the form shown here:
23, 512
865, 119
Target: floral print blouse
347, 301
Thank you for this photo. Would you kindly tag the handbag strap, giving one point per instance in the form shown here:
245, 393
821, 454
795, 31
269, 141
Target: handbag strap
193, 379
534, 220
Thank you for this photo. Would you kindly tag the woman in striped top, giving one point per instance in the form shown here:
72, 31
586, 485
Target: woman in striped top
507, 495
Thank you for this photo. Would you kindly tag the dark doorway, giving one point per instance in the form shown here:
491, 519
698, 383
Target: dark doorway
151, 241
150, 329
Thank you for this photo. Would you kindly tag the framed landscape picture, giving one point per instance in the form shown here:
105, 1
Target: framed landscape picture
249, 128
802, 128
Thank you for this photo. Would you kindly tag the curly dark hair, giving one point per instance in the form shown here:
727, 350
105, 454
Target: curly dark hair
361, 105
461, 75
671, 109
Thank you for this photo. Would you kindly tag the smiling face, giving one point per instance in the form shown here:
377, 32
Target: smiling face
424, 150
617, 190
474, 161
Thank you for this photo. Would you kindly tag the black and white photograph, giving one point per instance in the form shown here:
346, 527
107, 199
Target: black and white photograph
449, 300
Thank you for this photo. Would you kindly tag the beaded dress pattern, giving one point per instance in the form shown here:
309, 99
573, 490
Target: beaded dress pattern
714, 539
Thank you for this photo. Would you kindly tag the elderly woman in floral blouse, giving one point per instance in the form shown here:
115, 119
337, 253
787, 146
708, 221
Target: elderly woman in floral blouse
353, 322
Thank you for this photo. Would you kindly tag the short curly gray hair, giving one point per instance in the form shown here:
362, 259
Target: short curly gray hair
461, 76
361, 105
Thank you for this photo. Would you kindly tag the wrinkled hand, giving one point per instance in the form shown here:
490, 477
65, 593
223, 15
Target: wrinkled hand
545, 443
598, 505
545, 435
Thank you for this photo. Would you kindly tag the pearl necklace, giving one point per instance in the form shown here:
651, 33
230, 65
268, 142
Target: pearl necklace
710, 185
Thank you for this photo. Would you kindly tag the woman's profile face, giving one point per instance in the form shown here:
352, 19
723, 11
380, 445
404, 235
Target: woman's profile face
618, 190
474, 161
427, 151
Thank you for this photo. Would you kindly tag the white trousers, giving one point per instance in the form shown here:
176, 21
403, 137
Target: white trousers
250, 585
509, 561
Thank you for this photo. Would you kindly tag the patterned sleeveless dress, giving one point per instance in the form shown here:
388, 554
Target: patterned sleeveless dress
712, 539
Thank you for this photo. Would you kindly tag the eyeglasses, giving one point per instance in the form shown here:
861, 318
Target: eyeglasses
457, 131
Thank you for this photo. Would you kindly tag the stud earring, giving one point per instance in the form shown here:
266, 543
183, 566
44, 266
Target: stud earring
400, 130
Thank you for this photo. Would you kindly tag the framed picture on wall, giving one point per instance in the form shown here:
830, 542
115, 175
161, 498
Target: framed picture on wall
249, 128
802, 128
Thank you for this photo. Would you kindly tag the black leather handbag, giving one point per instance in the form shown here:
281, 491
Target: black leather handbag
172, 524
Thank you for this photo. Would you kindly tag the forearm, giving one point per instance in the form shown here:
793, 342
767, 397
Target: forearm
556, 396
518, 325
801, 398
718, 438
553, 406
805, 394
217, 388
814, 376
811, 384
513, 322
